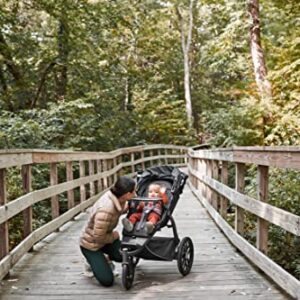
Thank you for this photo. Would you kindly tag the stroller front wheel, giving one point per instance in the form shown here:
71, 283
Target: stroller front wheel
185, 256
127, 275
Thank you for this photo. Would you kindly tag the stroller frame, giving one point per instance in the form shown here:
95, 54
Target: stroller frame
139, 244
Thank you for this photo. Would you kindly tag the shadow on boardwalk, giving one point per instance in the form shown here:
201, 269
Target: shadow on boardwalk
54, 269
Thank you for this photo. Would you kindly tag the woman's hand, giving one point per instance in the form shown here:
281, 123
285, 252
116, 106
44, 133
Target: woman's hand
116, 235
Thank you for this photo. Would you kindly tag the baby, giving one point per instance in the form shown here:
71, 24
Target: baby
155, 191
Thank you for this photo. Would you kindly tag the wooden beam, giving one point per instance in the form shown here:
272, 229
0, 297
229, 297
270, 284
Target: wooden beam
224, 180
82, 186
239, 186
4, 243
54, 199
99, 170
70, 193
262, 225
92, 172
215, 174
27, 213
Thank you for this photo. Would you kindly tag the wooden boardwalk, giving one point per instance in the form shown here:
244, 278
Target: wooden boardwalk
54, 269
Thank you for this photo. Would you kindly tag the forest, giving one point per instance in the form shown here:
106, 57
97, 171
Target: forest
98, 75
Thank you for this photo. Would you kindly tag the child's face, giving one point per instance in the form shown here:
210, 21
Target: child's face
154, 191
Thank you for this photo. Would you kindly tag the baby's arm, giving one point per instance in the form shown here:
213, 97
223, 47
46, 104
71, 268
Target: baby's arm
163, 195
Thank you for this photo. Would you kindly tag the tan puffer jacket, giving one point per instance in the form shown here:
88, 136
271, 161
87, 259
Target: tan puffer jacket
104, 217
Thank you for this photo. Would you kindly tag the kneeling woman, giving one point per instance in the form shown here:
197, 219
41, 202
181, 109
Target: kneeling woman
98, 237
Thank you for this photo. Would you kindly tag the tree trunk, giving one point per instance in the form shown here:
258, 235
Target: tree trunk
63, 53
258, 58
185, 45
41, 83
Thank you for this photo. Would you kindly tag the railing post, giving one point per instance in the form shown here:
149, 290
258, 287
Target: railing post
4, 245
115, 163
196, 164
224, 180
208, 171
166, 156
27, 213
262, 225
142, 158
239, 186
82, 186
92, 172
132, 162
151, 155
99, 170
105, 183
215, 175
54, 199
70, 193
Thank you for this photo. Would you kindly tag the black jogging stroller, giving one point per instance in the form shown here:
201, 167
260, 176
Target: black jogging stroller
141, 244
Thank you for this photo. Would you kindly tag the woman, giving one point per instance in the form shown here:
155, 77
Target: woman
98, 237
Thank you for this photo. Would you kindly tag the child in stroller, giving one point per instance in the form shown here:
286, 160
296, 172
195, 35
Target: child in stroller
151, 209
139, 242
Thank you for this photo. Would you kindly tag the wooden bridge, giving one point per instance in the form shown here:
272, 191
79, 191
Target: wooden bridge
47, 264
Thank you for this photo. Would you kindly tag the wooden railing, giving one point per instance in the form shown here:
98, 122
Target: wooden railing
95, 172
208, 170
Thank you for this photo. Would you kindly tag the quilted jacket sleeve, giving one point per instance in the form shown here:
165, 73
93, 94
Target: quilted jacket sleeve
102, 232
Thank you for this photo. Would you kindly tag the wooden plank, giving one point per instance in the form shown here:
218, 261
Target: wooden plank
274, 215
281, 157
91, 173
224, 180
115, 163
132, 163
27, 213
3, 227
262, 225
82, 186
215, 174
285, 280
54, 199
14, 159
39, 156
99, 170
239, 186
69, 175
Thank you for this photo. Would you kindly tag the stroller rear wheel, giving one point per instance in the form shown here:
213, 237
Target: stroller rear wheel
185, 256
127, 275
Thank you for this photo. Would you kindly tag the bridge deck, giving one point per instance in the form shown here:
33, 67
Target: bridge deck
54, 269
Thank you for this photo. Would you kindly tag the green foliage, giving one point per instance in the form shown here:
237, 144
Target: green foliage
235, 125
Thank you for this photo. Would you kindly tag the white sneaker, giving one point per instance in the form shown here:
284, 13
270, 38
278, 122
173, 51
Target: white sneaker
87, 270
150, 227
127, 225
113, 268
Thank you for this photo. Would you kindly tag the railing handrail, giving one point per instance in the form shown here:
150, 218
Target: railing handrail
18, 157
281, 157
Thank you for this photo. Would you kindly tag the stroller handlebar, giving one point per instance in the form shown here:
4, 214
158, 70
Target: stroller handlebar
146, 199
